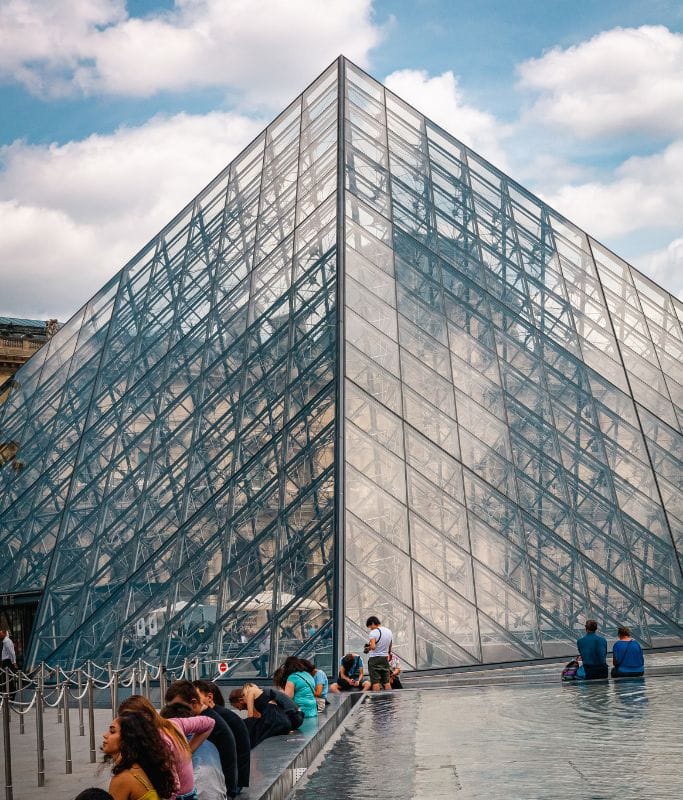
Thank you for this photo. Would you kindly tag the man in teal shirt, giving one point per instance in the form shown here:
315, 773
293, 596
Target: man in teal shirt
593, 650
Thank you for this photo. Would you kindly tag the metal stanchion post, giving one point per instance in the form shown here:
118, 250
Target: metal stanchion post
133, 684
110, 676
59, 705
79, 679
20, 695
67, 730
115, 692
7, 746
40, 734
141, 676
91, 718
162, 684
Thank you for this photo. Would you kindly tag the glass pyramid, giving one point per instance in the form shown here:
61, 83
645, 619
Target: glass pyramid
362, 372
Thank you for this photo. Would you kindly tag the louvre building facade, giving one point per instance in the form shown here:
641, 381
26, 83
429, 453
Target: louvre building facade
363, 371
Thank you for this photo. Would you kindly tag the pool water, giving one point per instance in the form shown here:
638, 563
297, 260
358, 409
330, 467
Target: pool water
621, 740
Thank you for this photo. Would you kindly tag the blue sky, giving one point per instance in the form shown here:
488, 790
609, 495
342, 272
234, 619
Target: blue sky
115, 113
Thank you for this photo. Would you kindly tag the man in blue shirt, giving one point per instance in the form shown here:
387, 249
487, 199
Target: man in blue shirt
593, 650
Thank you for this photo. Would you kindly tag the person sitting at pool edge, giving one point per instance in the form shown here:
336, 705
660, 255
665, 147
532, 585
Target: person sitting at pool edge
627, 656
593, 650
270, 712
350, 678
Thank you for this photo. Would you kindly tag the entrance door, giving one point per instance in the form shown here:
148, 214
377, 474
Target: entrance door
17, 613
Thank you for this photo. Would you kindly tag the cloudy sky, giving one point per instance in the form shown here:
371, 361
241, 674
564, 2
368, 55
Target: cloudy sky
114, 113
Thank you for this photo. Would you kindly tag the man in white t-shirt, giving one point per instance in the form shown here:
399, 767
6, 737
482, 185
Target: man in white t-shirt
378, 650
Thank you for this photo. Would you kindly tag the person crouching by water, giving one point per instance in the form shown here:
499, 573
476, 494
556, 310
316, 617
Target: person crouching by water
379, 649
627, 656
270, 712
350, 678
142, 766
593, 650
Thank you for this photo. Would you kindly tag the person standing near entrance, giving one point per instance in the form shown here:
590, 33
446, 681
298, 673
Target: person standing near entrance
8, 658
593, 650
378, 650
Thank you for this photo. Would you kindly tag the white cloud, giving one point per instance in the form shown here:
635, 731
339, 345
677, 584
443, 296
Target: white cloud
74, 214
665, 266
441, 99
621, 81
645, 192
263, 49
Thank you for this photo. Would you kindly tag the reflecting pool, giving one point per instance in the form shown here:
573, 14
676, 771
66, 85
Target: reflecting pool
592, 741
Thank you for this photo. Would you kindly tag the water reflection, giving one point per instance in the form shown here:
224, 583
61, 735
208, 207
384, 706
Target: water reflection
608, 741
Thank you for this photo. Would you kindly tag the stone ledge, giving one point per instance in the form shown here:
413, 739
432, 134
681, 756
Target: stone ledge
278, 763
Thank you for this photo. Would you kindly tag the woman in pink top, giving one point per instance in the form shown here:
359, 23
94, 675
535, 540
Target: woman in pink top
175, 733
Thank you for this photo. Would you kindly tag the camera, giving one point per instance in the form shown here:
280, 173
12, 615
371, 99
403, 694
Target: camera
366, 649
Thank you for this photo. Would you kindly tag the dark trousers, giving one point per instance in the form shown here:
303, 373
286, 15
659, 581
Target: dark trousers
260, 663
272, 722
595, 671
616, 673
7, 678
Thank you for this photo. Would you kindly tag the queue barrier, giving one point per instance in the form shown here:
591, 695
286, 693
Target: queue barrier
54, 687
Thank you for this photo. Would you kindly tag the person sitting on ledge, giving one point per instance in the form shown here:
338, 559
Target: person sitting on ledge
270, 712
212, 697
627, 656
350, 677
593, 650
300, 684
185, 693
322, 687
142, 766
207, 770
175, 732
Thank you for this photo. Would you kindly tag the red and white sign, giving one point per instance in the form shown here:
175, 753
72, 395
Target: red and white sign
223, 667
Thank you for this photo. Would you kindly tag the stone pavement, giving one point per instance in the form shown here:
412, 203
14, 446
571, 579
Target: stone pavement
58, 785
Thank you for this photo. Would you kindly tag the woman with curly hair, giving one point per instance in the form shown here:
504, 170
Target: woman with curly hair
175, 733
142, 768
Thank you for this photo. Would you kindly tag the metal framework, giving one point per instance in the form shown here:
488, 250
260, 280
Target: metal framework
363, 371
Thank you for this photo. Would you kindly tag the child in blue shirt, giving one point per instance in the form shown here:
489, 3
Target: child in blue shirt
322, 686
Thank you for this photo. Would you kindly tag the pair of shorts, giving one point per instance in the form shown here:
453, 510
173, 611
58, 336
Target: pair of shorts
379, 669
